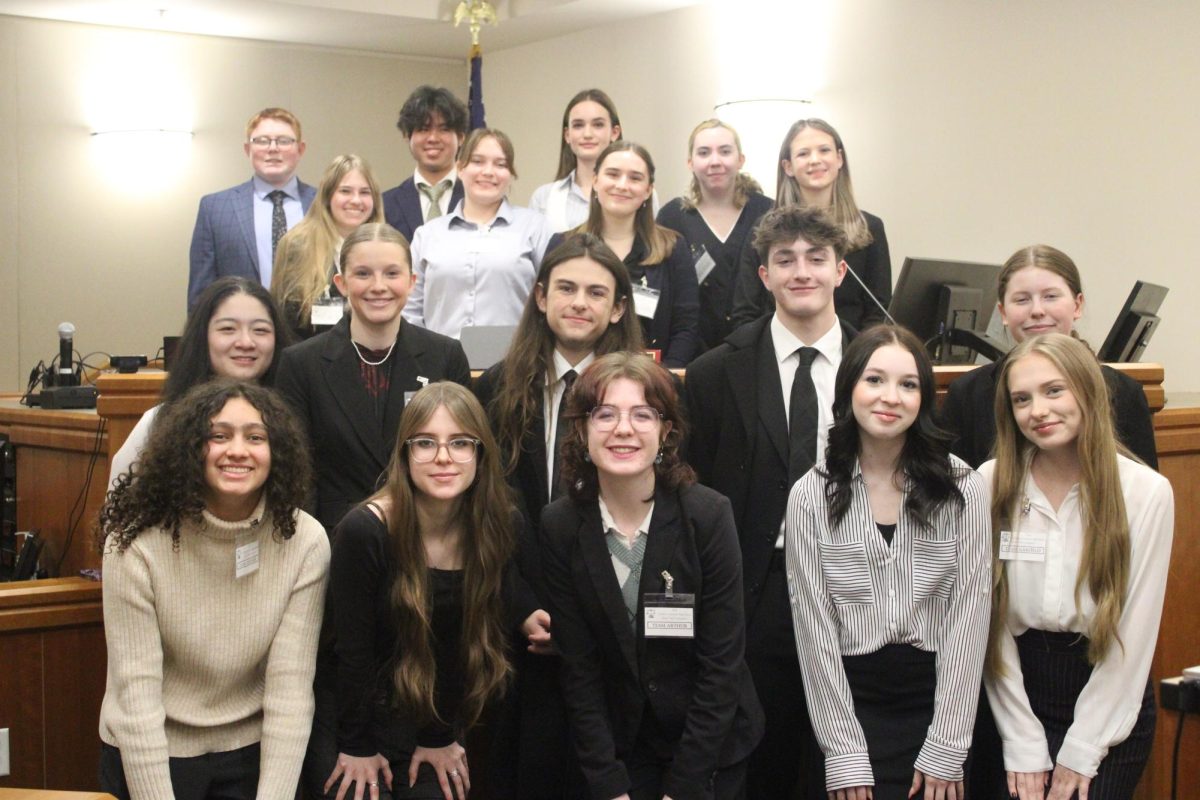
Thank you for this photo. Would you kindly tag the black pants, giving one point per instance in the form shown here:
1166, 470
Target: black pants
787, 762
231, 775
1056, 669
646, 777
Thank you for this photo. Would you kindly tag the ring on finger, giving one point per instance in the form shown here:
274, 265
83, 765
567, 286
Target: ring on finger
453, 773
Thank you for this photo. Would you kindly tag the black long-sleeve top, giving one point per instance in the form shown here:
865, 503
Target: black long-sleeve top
361, 575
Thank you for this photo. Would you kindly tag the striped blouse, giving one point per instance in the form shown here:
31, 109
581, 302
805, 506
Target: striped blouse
852, 594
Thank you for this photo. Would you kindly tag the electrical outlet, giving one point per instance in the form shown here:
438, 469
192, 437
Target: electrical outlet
3, 752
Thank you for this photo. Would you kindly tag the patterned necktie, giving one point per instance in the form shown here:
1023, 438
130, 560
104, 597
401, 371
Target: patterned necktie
434, 193
278, 220
802, 417
556, 488
631, 557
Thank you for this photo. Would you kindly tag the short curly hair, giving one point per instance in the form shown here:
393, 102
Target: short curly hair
168, 486
579, 473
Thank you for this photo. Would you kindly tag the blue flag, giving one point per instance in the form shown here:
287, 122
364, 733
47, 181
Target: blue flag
475, 94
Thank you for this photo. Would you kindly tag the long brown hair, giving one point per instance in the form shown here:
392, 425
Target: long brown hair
1104, 567
579, 473
659, 240
306, 253
845, 211
488, 541
530, 357
566, 156
743, 185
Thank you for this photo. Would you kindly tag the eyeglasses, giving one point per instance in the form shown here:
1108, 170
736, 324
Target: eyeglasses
642, 418
282, 142
423, 449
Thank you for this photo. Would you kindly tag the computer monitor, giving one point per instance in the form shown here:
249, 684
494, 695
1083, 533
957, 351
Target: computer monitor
948, 304
1135, 324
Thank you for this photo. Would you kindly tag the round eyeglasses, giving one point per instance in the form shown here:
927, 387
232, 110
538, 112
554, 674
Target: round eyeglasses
424, 449
641, 418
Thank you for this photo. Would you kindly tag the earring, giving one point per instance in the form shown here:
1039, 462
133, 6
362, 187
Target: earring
587, 457
658, 458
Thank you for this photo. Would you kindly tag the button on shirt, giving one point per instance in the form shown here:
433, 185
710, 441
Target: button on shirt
852, 593
1041, 595
554, 398
470, 274
824, 370
293, 211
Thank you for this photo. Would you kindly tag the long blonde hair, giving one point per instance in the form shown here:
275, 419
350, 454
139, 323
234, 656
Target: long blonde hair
1104, 567
486, 513
845, 211
743, 184
305, 253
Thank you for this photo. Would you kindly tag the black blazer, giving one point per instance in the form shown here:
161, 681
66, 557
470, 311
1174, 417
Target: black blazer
872, 264
350, 449
969, 412
705, 711
722, 391
402, 206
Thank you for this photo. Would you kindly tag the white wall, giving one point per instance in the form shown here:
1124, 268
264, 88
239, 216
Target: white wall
107, 249
972, 128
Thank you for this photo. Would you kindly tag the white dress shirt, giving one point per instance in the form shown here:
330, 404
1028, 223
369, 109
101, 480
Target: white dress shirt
562, 202
553, 399
470, 274
1042, 596
611, 529
824, 371
852, 594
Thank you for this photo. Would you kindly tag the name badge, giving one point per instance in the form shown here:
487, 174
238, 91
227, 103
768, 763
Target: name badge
704, 263
245, 560
327, 312
669, 616
645, 301
1023, 545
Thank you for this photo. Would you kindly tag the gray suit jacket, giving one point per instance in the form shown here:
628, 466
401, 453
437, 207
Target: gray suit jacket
223, 241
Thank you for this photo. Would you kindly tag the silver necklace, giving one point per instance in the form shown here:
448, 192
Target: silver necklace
373, 363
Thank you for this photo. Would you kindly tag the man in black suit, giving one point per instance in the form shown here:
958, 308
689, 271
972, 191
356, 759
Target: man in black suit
577, 311
434, 123
759, 406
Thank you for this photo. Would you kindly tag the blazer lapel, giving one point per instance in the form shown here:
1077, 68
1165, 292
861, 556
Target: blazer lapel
410, 205
770, 401
598, 561
665, 526
406, 367
244, 207
535, 445
345, 385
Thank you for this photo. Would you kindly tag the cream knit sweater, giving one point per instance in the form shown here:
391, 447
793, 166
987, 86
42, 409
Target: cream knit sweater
202, 662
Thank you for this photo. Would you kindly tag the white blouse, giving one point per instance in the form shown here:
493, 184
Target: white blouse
852, 594
1042, 596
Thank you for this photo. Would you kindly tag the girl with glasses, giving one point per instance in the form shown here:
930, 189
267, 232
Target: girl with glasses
423, 603
643, 572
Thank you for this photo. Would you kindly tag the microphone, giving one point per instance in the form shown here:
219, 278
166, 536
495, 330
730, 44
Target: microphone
66, 356
870, 294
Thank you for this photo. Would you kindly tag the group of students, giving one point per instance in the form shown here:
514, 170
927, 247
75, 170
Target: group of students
579, 581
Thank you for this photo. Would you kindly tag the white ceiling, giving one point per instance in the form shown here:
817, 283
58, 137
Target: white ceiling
412, 27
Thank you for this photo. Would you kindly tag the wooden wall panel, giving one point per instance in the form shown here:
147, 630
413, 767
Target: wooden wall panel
21, 707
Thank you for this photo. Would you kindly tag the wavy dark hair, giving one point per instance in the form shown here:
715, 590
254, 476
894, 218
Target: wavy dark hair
530, 357
424, 102
931, 479
579, 473
192, 364
486, 512
169, 487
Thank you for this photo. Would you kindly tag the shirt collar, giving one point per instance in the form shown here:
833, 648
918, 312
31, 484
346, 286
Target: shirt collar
561, 366
611, 528
503, 215
262, 188
786, 343
419, 179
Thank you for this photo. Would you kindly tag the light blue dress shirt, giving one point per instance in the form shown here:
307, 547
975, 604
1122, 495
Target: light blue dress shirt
293, 211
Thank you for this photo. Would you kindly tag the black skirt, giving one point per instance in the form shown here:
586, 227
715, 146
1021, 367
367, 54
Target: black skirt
1056, 669
893, 692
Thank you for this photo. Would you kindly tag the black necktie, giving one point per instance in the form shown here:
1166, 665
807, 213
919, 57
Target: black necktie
278, 220
802, 417
556, 488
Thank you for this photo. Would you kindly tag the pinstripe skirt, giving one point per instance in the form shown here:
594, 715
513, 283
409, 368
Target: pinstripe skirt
893, 692
1056, 669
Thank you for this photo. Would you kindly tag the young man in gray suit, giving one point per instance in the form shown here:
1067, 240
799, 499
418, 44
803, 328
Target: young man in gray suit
237, 229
